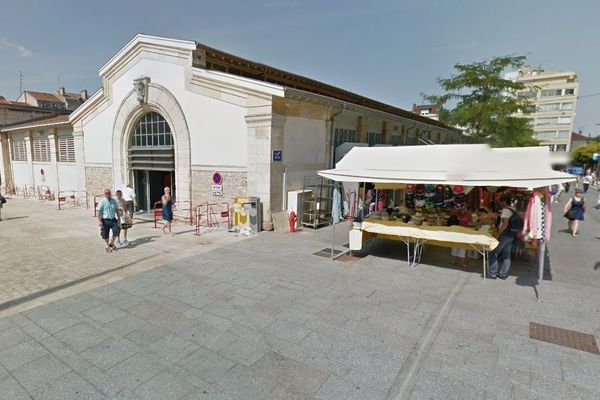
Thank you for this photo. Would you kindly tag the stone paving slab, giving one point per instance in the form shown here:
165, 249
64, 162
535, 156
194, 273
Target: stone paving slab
43, 247
265, 319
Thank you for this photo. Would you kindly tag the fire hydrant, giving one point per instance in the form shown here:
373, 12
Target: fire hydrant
293, 220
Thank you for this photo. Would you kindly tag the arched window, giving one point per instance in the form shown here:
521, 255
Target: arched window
151, 147
152, 131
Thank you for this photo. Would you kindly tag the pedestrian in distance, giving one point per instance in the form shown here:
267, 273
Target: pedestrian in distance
574, 211
167, 210
125, 220
587, 180
130, 199
511, 224
2, 202
108, 212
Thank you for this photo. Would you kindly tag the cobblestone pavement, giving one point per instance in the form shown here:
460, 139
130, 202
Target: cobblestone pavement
41, 247
266, 319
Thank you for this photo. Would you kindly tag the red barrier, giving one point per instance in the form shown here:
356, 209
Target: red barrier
209, 215
181, 213
96, 201
157, 212
64, 196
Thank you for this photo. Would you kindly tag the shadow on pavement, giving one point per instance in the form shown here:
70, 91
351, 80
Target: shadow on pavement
11, 218
140, 242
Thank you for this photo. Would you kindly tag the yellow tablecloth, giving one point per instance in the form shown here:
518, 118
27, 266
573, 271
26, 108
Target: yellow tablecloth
444, 236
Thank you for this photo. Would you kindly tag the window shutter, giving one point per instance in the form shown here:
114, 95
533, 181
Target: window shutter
66, 149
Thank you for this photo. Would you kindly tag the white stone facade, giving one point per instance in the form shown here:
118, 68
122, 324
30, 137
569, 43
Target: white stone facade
220, 122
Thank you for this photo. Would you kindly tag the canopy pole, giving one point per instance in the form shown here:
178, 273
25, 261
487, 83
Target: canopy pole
541, 258
542, 248
332, 238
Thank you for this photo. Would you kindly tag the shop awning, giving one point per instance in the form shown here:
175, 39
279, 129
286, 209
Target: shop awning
460, 164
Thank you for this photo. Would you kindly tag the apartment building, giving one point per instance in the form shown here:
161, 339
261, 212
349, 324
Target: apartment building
554, 97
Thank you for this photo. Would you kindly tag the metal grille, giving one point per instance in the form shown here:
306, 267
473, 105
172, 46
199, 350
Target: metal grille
563, 337
326, 252
374, 138
152, 158
343, 136
395, 140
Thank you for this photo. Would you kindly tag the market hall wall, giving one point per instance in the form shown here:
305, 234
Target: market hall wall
218, 131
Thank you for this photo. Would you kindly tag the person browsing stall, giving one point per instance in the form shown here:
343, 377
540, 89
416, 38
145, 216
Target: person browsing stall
510, 225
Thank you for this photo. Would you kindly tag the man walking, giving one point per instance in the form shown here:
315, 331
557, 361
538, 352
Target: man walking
129, 198
511, 224
108, 214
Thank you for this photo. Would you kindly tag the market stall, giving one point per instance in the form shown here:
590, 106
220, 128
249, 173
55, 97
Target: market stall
411, 193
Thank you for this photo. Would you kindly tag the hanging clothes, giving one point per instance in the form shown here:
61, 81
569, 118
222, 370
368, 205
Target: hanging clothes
534, 218
548, 219
336, 207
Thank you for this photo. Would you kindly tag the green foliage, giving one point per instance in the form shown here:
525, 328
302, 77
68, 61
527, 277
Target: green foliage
486, 103
583, 155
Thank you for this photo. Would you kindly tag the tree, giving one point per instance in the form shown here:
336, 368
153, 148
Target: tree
583, 155
486, 104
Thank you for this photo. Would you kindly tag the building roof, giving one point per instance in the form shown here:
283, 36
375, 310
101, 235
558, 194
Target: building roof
576, 137
42, 96
217, 60
38, 122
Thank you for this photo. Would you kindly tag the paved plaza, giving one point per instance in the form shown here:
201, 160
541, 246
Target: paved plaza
223, 317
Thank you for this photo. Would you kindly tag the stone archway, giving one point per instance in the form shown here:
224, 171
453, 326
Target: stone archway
162, 101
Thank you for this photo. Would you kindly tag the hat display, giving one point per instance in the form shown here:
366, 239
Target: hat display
458, 189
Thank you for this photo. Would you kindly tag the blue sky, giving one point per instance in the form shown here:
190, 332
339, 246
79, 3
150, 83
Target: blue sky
388, 50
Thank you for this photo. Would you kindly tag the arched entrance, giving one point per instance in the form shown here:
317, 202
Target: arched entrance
151, 158
130, 112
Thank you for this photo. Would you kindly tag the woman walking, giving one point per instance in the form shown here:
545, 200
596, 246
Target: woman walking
167, 210
574, 210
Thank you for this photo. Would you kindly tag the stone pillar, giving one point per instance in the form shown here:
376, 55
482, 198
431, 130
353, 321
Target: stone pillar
5, 171
54, 158
277, 167
80, 158
386, 136
29, 145
259, 158
363, 125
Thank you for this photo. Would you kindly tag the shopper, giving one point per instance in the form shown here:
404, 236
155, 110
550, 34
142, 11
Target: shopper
574, 211
587, 180
2, 202
125, 220
510, 225
108, 212
130, 199
167, 210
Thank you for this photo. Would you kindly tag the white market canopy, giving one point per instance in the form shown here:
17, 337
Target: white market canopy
458, 164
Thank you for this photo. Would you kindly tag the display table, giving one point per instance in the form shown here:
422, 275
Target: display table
443, 236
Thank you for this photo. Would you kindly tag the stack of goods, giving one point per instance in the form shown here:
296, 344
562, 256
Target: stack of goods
459, 197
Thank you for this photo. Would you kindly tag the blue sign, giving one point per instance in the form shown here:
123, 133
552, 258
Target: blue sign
276, 155
596, 157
